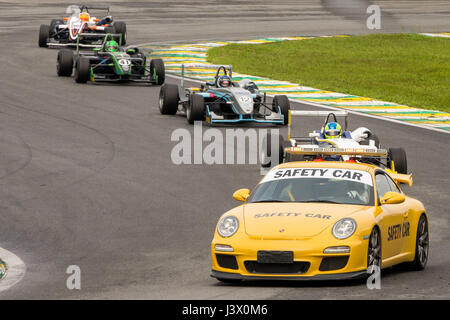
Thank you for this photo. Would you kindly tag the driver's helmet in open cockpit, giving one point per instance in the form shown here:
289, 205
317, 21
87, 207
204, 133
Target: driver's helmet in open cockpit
111, 46
224, 81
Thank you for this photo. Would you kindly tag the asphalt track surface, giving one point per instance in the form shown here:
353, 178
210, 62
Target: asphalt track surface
86, 177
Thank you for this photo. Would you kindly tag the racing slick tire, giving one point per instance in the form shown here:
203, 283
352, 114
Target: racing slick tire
374, 251
44, 34
195, 110
157, 69
283, 102
168, 99
121, 28
82, 70
398, 156
422, 245
267, 150
64, 64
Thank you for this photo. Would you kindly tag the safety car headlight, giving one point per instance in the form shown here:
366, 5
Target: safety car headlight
228, 226
344, 228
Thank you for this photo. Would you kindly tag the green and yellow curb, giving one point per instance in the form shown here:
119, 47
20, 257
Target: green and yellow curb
176, 55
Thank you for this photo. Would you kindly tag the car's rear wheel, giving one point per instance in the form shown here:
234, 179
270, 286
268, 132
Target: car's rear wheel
398, 156
121, 28
82, 70
158, 70
282, 101
168, 99
44, 34
422, 245
266, 152
195, 110
64, 63
374, 251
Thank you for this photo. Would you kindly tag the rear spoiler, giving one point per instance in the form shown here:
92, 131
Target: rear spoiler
337, 151
298, 113
402, 178
203, 66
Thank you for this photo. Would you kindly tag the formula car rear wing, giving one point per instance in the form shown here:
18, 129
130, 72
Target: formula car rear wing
317, 151
185, 66
298, 113
105, 37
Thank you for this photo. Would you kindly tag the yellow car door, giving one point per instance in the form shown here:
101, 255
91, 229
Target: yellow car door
391, 219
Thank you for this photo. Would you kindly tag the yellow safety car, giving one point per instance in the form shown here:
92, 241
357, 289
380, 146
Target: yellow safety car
320, 220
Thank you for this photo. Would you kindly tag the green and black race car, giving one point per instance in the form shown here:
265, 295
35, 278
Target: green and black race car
111, 62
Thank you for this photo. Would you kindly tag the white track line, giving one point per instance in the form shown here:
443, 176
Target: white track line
15, 269
338, 109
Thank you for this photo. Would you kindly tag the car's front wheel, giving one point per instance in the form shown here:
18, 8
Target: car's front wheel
195, 110
44, 34
82, 71
64, 63
168, 99
374, 252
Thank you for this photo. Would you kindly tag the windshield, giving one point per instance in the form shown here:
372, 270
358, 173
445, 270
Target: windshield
327, 185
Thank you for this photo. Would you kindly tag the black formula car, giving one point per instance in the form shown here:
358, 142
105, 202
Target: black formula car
223, 100
111, 63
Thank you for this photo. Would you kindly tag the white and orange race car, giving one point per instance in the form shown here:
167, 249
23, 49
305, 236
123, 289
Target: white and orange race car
77, 25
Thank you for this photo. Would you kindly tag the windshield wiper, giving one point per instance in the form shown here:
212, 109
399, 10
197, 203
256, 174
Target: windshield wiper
320, 201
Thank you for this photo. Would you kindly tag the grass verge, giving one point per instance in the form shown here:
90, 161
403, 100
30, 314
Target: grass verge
407, 69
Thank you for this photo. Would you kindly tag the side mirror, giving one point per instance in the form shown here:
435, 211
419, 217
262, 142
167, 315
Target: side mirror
392, 198
241, 195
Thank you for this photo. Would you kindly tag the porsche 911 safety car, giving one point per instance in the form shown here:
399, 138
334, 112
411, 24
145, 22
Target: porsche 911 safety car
222, 101
360, 145
320, 220
111, 63
77, 27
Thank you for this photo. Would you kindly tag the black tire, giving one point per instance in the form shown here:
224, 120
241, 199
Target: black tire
267, 150
158, 71
283, 102
374, 256
121, 27
422, 245
44, 34
168, 99
64, 63
398, 156
195, 110
82, 70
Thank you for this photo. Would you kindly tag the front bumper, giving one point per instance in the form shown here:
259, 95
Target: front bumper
335, 276
309, 252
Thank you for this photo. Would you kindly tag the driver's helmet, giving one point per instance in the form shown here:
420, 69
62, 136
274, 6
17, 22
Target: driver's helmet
111, 46
84, 16
224, 81
332, 130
